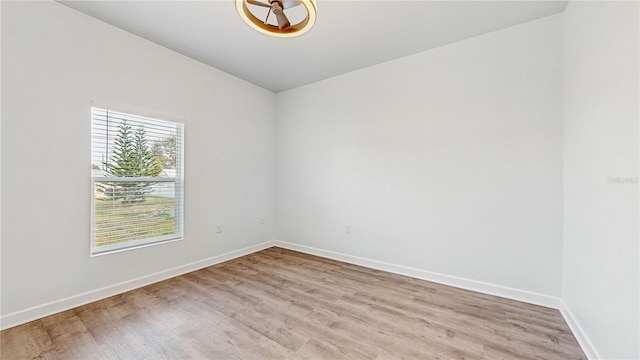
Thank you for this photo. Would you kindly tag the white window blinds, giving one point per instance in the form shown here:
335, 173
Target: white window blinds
137, 180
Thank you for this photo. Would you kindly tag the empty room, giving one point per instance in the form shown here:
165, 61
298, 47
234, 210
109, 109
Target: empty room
319, 179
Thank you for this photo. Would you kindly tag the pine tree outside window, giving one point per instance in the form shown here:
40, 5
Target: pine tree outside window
137, 180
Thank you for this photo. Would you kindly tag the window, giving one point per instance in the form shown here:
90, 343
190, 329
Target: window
136, 180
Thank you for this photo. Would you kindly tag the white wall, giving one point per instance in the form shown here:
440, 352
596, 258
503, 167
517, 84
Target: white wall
447, 161
54, 62
601, 254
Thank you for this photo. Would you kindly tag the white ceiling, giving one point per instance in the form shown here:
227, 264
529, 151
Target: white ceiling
348, 35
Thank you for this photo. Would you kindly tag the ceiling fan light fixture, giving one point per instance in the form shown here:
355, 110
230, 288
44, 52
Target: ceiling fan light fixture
290, 30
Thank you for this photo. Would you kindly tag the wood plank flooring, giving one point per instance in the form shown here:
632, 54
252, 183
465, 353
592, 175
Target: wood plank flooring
281, 304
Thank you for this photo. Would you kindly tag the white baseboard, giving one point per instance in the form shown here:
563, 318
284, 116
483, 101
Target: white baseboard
467, 284
579, 333
40, 311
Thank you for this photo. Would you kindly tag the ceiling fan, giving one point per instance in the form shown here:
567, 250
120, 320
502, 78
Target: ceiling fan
277, 7
293, 23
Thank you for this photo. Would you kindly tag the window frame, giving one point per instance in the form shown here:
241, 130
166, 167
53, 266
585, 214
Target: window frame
177, 180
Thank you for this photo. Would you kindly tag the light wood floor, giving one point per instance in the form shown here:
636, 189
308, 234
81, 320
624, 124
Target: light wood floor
278, 304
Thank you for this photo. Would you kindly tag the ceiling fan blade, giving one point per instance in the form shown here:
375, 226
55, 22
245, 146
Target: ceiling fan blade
258, 3
283, 22
287, 4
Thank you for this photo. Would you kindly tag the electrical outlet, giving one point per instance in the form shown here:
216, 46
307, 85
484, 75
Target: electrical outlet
347, 229
219, 228
261, 220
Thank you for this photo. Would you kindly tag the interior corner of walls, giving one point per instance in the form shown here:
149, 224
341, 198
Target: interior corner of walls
581, 336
